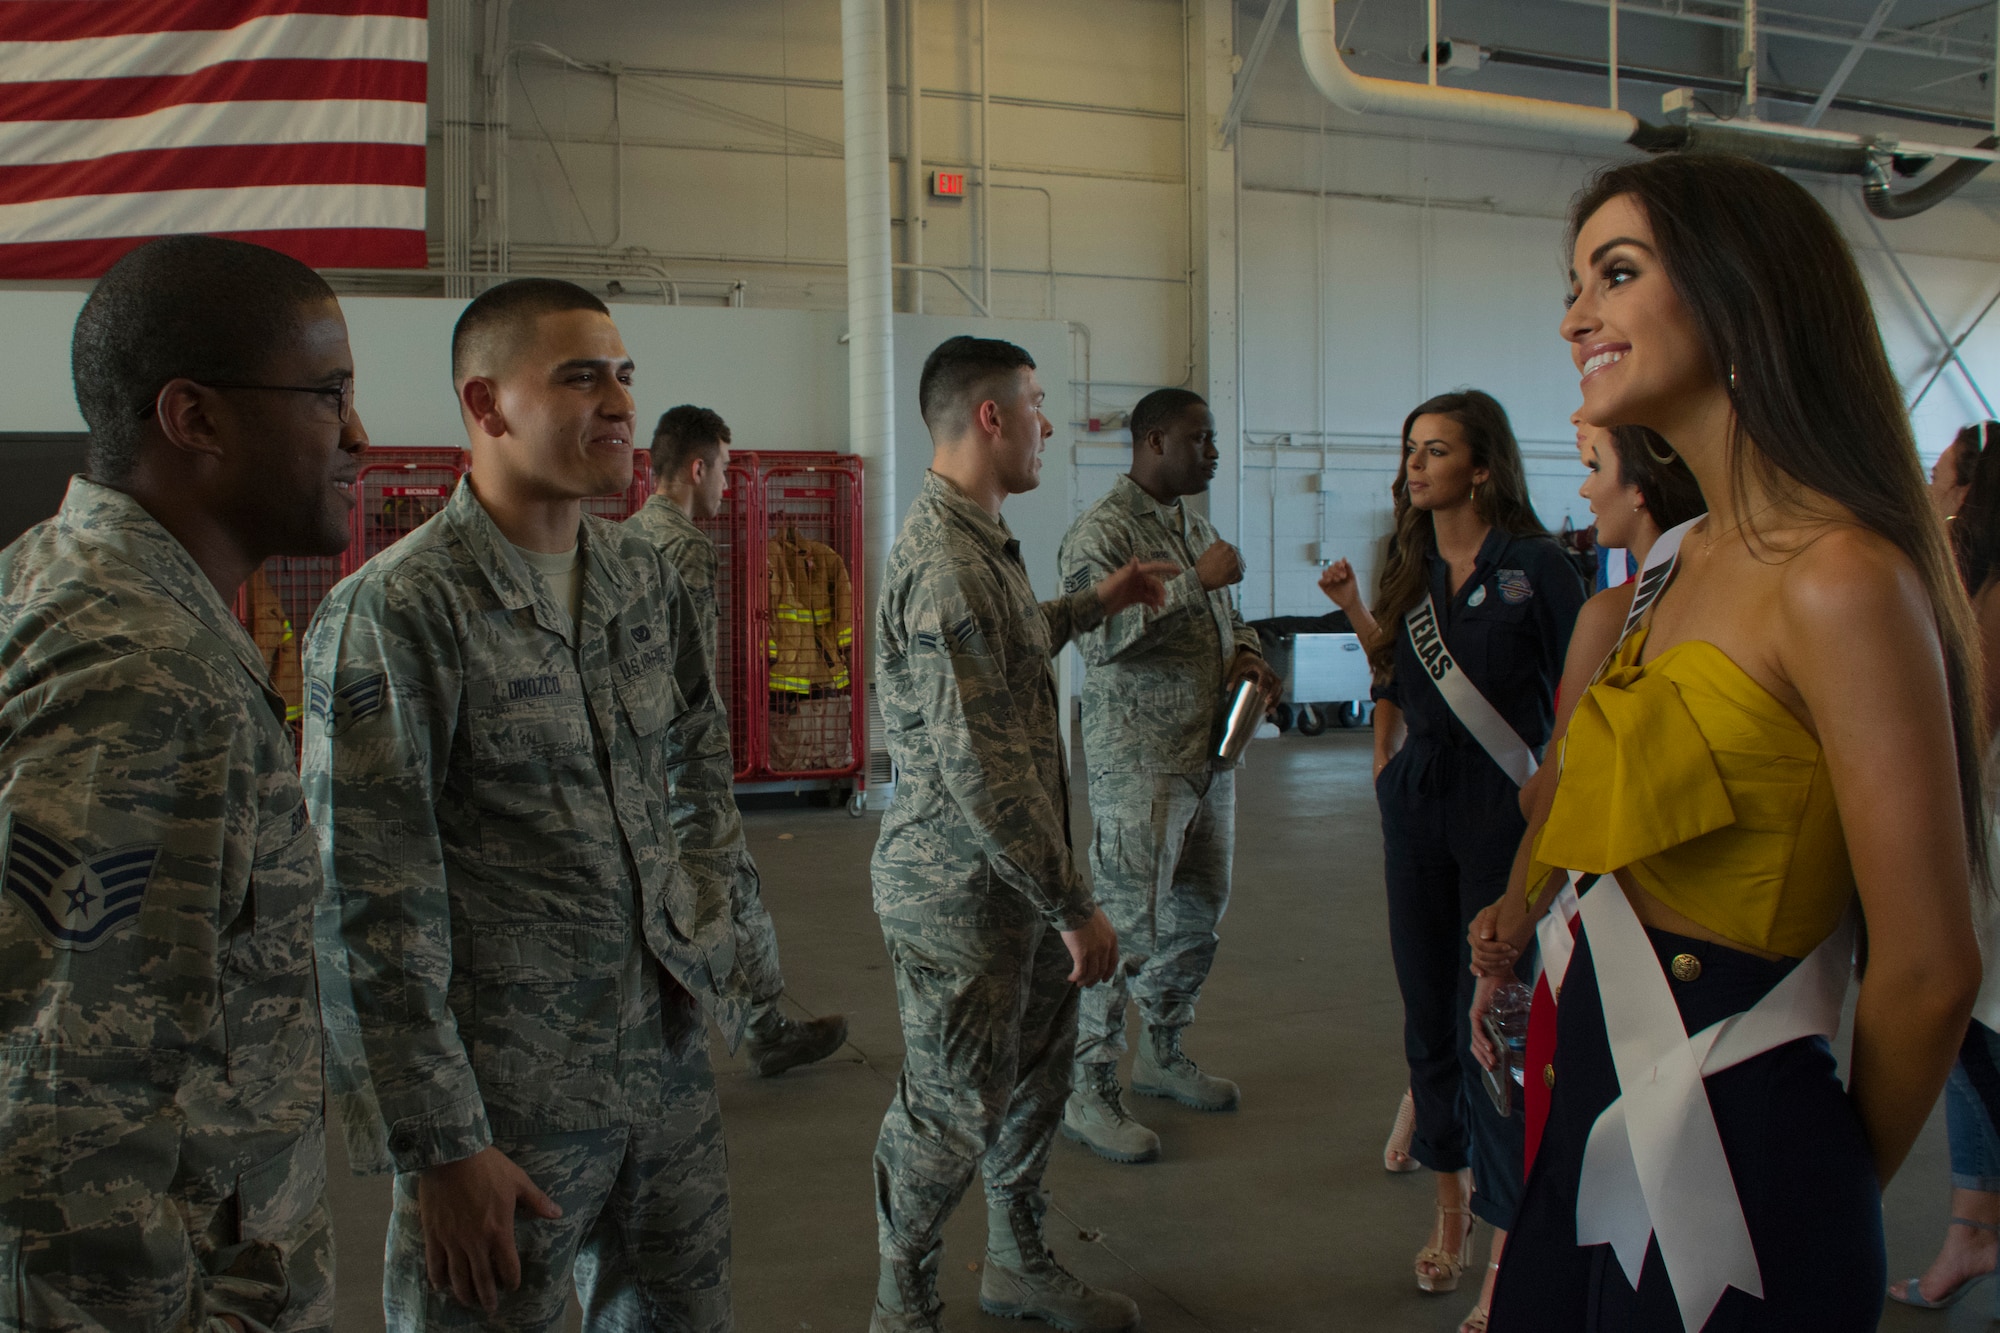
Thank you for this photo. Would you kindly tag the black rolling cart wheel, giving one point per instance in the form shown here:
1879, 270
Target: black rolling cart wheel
1281, 717
1312, 721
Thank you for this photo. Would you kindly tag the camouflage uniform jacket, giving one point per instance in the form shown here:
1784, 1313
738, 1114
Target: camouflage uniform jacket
161, 1059
691, 552
1152, 685
978, 833
503, 870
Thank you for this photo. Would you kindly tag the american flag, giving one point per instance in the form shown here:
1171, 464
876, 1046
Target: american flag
297, 124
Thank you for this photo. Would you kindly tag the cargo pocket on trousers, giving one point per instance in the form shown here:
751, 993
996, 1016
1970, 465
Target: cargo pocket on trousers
276, 1197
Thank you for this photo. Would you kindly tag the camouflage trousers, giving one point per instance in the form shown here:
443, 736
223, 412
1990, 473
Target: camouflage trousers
989, 1027
1159, 860
757, 946
104, 1246
643, 1239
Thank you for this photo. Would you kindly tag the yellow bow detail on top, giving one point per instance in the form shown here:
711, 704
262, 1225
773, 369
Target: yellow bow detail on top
1637, 778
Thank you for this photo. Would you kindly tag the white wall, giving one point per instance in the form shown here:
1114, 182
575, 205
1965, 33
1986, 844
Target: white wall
1385, 262
1380, 261
732, 162
779, 377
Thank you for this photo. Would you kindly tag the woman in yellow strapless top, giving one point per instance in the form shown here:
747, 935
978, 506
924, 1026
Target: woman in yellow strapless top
1792, 731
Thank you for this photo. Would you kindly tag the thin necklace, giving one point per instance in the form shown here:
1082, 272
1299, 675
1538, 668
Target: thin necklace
1709, 545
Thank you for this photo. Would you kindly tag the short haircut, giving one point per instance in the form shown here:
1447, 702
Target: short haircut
1158, 408
181, 307
961, 373
684, 433
494, 324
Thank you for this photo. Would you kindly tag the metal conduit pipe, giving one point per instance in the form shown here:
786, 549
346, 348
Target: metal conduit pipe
1391, 97
1884, 203
913, 154
871, 366
1777, 145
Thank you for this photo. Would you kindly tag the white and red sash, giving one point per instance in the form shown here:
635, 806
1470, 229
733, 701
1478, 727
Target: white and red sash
1654, 1167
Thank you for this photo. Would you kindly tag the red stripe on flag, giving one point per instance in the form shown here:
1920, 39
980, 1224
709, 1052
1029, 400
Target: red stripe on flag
329, 247
67, 20
230, 81
217, 167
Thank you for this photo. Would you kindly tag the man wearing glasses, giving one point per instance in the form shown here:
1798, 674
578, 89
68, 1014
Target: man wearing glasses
160, 1092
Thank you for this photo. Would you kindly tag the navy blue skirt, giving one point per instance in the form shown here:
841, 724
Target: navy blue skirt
1803, 1170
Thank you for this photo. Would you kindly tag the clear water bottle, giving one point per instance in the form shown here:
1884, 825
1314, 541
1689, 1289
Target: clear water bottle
1506, 1023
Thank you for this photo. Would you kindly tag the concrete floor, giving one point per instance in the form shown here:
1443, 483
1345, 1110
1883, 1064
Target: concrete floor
1276, 1219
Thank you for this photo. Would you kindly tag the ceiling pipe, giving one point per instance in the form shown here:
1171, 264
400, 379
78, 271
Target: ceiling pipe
1788, 146
1391, 97
871, 374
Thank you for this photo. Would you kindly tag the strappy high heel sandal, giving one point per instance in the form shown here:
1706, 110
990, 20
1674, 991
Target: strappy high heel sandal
1913, 1290
1476, 1321
1396, 1157
1448, 1266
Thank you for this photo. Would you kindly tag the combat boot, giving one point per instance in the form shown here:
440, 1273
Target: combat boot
1022, 1280
1162, 1069
1095, 1116
778, 1043
906, 1299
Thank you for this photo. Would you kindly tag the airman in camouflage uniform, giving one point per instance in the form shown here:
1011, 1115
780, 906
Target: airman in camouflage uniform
162, 1139
981, 904
1163, 804
686, 477
520, 936
163, 1136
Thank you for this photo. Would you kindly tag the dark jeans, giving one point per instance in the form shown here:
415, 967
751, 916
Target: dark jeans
1451, 823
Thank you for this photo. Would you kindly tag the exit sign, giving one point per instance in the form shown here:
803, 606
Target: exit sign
948, 184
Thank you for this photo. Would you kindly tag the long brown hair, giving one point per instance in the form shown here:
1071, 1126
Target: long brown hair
1671, 493
1790, 331
1502, 500
1975, 528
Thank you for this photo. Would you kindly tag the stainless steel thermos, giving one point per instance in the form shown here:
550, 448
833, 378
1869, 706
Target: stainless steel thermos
1245, 712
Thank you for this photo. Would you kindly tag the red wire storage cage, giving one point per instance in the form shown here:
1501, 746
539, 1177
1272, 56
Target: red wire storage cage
789, 596
739, 647
621, 505
809, 557
399, 490
395, 491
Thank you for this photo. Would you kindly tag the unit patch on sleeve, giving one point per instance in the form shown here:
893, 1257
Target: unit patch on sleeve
77, 903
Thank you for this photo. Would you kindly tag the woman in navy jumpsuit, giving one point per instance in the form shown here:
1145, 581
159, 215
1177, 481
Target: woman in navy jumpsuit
1506, 598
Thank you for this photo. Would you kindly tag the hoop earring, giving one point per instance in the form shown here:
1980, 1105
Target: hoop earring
1668, 461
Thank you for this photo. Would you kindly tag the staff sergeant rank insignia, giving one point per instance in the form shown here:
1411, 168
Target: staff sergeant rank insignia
353, 702
77, 903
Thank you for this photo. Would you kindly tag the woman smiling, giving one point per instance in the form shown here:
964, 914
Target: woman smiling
1791, 729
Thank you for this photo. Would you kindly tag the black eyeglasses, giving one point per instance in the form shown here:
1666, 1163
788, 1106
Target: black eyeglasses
342, 393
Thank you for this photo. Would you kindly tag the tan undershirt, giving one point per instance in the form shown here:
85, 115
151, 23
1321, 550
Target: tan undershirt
563, 572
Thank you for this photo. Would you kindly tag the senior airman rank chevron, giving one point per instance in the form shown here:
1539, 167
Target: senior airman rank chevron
77, 903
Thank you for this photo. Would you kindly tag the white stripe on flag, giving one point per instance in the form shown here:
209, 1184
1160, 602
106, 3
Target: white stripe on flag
274, 36
38, 142
257, 208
